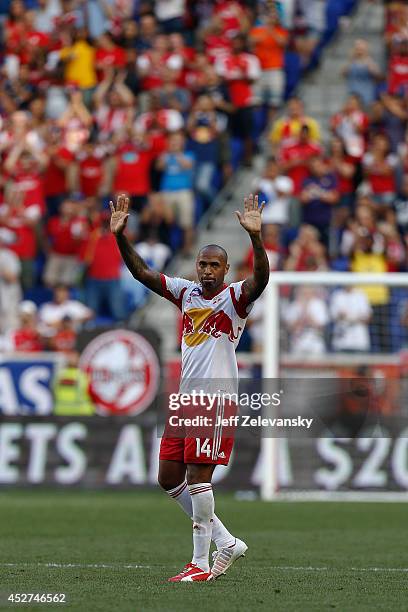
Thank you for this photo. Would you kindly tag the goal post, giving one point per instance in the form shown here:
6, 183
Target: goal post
279, 359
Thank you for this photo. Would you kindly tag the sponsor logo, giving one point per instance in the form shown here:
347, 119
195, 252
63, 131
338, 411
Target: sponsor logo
201, 323
123, 371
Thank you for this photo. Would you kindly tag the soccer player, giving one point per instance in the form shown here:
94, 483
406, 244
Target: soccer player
214, 315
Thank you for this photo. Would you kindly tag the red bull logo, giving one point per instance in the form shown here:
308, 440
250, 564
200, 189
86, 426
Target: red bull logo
201, 323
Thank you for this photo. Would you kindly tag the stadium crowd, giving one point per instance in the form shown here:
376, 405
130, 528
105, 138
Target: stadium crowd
162, 100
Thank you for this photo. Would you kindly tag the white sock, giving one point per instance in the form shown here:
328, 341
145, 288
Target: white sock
220, 534
203, 517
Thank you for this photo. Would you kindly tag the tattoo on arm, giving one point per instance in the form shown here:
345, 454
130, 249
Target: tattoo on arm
254, 285
137, 266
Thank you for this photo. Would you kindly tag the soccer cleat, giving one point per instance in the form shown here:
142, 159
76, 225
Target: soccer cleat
192, 573
225, 557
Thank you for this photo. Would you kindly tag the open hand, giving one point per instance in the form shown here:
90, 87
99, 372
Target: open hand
251, 219
120, 214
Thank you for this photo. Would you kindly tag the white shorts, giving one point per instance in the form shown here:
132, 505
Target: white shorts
270, 87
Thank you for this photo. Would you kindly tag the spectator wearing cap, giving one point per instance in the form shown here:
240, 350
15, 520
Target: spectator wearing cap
10, 288
26, 337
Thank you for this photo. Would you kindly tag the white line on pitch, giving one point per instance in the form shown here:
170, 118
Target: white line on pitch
285, 568
83, 565
328, 569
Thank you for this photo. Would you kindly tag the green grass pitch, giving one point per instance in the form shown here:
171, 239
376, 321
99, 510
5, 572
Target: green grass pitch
302, 556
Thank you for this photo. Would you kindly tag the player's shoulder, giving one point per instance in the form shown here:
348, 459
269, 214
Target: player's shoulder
239, 299
174, 288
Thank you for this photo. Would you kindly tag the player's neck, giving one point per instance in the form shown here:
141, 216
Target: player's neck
208, 295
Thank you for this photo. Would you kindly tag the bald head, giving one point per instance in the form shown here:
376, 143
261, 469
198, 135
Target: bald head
212, 266
214, 249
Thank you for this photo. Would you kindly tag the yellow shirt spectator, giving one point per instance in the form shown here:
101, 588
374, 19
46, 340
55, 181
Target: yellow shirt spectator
285, 129
373, 263
79, 64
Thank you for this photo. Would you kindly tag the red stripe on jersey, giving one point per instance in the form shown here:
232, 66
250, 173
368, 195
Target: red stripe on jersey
169, 296
239, 305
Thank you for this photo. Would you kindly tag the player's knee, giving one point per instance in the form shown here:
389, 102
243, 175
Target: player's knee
167, 482
199, 473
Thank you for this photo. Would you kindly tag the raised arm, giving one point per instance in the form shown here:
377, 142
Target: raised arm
136, 265
251, 220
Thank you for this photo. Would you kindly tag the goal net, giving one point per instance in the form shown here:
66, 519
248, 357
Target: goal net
336, 346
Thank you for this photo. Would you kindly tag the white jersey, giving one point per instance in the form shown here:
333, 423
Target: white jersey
211, 332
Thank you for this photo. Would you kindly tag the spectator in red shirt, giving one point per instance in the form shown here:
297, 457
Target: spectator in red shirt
379, 168
25, 165
75, 122
150, 63
216, 43
131, 168
240, 70
23, 208
351, 124
306, 252
273, 248
398, 68
58, 171
108, 55
344, 169
26, 338
103, 261
66, 232
113, 105
91, 169
295, 157
65, 338
232, 17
